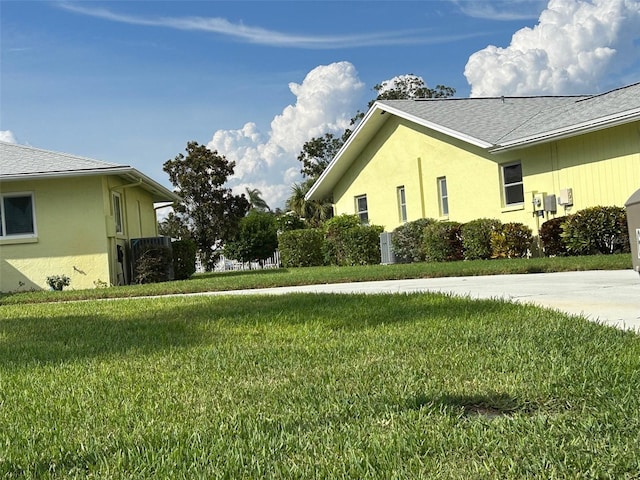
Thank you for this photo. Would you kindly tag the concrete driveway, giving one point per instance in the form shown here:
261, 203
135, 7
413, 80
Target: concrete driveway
609, 297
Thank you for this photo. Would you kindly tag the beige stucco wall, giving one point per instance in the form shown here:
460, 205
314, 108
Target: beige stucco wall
602, 168
75, 233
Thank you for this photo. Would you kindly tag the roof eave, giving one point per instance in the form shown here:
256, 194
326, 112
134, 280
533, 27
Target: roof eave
160, 193
573, 130
322, 188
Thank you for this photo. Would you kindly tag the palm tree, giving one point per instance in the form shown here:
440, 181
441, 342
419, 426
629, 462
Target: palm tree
255, 199
315, 212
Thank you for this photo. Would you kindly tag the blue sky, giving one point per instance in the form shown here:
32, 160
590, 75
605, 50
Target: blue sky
133, 81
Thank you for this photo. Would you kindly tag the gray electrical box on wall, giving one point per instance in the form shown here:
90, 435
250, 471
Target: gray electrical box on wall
633, 220
550, 204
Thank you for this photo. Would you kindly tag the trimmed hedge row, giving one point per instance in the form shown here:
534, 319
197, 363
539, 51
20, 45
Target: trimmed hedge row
592, 231
342, 241
447, 241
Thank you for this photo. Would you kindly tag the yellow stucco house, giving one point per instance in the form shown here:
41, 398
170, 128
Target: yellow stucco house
523, 159
66, 215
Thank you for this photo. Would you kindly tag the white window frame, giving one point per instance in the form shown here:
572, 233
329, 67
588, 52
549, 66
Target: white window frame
118, 212
402, 203
362, 214
443, 196
3, 217
506, 185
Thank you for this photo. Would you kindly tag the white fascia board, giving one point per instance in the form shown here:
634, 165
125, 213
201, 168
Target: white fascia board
332, 165
573, 130
438, 128
66, 173
128, 171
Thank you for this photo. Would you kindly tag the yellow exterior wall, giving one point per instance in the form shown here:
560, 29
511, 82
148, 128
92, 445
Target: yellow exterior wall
602, 168
70, 225
75, 234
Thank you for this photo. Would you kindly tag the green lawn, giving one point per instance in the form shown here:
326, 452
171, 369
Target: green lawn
308, 276
315, 386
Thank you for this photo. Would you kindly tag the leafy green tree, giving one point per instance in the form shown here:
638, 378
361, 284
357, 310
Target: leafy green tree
211, 210
255, 199
174, 226
257, 238
318, 152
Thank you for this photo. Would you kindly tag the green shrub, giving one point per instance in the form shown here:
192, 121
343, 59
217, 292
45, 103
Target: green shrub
184, 258
511, 240
442, 242
153, 265
301, 248
476, 237
596, 230
335, 231
406, 241
362, 244
551, 237
289, 221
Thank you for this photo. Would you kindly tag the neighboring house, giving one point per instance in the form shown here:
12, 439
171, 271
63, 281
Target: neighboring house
66, 215
503, 158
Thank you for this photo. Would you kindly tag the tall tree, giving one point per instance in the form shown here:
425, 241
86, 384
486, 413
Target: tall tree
255, 200
208, 207
174, 226
318, 152
314, 212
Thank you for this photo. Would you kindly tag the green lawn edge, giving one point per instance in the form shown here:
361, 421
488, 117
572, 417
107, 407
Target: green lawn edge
285, 277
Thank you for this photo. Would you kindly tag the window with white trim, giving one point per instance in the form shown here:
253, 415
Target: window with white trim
17, 215
117, 212
443, 196
513, 188
361, 209
402, 204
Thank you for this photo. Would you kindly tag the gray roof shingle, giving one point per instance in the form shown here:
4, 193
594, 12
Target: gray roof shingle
16, 160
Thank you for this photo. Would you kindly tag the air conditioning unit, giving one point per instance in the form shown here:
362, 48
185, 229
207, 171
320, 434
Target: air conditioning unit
386, 249
139, 246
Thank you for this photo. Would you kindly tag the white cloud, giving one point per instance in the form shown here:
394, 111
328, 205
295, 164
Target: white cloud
263, 36
325, 102
7, 136
501, 9
576, 45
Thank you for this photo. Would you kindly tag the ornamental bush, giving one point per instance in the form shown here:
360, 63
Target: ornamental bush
476, 237
184, 258
406, 241
442, 242
596, 230
362, 245
335, 235
551, 237
153, 265
511, 240
301, 248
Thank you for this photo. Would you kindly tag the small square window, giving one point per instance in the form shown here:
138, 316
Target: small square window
17, 216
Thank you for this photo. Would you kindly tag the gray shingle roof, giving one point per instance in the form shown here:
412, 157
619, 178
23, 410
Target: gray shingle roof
484, 119
504, 121
17, 160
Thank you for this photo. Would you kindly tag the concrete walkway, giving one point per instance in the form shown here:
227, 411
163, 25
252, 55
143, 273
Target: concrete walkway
609, 297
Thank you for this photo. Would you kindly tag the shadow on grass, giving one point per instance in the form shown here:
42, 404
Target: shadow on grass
489, 405
76, 337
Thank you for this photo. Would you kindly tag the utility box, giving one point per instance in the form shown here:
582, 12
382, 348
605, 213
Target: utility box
633, 221
386, 249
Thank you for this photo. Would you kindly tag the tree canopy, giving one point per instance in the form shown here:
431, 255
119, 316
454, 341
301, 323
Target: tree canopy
211, 211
